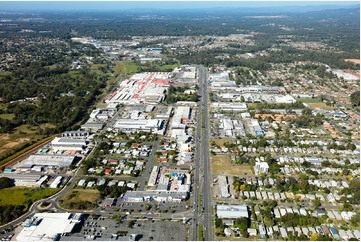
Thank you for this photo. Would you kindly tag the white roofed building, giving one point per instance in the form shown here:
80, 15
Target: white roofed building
261, 167
48, 226
232, 211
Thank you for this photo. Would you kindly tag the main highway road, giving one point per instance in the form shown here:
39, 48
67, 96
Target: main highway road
207, 211
198, 141
201, 184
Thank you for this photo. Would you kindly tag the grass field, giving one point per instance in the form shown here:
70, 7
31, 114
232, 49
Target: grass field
309, 100
76, 196
53, 67
167, 67
220, 142
131, 67
3, 106
5, 73
22, 195
8, 116
74, 74
125, 68
221, 164
253, 105
321, 105
96, 67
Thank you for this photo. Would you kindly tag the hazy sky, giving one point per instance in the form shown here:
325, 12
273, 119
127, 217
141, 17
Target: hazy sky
119, 5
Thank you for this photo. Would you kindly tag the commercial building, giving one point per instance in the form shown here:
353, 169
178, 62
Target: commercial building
232, 211
223, 186
56, 182
108, 202
75, 134
179, 123
284, 99
153, 176
159, 196
181, 117
257, 89
229, 106
141, 88
257, 128
68, 144
27, 180
49, 160
130, 125
48, 226
92, 125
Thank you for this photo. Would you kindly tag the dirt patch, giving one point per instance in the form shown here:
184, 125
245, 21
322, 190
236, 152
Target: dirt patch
356, 61
4, 137
23, 140
11, 145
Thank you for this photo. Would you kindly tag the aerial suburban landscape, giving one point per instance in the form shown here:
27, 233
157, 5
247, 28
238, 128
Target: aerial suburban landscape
183, 121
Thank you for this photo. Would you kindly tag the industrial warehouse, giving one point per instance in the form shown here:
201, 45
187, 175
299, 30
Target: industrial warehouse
68, 144
149, 87
133, 126
49, 160
48, 226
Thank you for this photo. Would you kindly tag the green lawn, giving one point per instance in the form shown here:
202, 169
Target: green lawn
129, 67
3, 106
21, 195
95, 67
77, 196
309, 100
5, 73
8, 116
169, 67
74, 74
53, 67
200, 232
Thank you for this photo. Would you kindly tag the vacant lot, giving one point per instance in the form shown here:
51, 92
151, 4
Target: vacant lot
86, 199
11, 142
25, 196
356, 61
221, 165
309, 100
321, 105
220, 142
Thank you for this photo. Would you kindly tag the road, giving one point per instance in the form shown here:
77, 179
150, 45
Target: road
149, 165
207, 214
198, 140
201, 186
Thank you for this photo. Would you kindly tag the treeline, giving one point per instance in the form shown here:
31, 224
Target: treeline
58, 96
294, 220
176, 94
355, 98
10, 212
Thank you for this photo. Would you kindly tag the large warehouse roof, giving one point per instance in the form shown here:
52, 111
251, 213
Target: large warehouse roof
50, 160
48, 226
232, 211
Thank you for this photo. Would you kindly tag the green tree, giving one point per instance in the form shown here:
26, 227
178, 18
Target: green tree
355, 98
6, 182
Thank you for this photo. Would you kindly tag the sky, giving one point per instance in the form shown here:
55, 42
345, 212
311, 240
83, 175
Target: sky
126, 5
